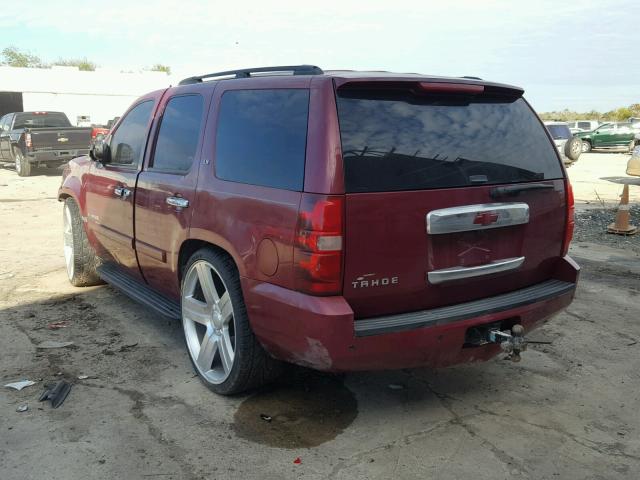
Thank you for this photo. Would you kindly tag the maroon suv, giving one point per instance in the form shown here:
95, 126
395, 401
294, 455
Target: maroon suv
338, 220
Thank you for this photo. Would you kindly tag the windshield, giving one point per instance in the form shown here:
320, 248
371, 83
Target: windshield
394, 140
41, 120
559, 132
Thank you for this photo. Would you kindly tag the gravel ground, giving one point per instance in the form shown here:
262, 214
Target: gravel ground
591, 226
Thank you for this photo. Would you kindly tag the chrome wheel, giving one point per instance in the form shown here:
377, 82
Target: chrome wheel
585, 147
18, 162
68, 240
208, 321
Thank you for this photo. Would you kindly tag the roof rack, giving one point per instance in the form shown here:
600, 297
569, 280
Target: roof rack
248, 72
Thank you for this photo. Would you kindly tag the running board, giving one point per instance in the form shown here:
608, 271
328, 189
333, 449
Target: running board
138, 291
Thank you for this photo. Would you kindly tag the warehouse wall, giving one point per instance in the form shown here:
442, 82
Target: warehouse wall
102, 94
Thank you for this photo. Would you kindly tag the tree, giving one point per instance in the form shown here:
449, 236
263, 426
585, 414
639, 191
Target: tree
82, 63
158, 67
13, 57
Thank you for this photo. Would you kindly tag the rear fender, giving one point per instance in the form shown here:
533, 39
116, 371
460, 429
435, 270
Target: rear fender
218, 241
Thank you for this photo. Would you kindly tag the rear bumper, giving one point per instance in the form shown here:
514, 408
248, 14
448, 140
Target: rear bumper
56, 156
320, 332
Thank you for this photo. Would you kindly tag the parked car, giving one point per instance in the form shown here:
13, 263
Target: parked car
30, 139
580, 126
336, 220
568, 146
608, 135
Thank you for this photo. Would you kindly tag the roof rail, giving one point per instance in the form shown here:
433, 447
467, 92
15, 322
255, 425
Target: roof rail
248, 72
472, 78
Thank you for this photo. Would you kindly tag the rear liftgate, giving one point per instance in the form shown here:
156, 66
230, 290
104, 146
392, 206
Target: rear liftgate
478, 217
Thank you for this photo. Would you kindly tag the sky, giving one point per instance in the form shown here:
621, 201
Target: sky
580, 55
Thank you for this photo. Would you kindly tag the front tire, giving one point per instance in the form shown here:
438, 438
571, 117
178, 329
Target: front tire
222, 347
23, 167
80, 259
586, 146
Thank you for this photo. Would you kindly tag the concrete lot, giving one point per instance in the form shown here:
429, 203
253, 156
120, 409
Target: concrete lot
569, 410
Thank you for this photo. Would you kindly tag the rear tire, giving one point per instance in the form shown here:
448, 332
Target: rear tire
23, 167
586, 146
632, 145
80, 259
224, 352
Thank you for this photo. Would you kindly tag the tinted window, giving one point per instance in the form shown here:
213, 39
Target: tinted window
41, 120
395, 140
559, 132
261, 137
4, 123
179, 133
584, 125
127, 143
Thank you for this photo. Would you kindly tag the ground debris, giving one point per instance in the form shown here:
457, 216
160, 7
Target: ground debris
20, 385
56, 393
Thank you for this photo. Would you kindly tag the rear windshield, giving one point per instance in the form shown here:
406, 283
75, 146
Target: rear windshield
41, 120
559, 132
394, 140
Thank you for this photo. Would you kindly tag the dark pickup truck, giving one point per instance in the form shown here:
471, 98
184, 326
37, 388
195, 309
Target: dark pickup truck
29, 139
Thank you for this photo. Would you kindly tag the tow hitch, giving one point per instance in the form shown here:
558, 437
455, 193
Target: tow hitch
512, 343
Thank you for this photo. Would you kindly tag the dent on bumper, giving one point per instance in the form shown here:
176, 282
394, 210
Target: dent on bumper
320, 332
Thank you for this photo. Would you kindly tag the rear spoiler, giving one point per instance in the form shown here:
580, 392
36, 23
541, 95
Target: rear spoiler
461, 86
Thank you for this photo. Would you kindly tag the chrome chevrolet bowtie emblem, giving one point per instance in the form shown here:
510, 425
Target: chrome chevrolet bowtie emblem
63, 139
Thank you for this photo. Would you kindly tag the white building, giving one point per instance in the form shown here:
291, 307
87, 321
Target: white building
99, 95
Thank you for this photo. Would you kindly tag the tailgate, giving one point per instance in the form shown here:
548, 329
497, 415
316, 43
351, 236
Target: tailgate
60, 138
450, 197
394, 264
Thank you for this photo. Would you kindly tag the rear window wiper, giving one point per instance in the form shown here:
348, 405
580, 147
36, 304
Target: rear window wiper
513, 190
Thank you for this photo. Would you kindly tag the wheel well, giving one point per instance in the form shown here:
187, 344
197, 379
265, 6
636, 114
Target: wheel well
189, 247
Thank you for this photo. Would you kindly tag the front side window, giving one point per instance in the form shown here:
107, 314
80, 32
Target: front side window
262, 137
179, 133
128, 141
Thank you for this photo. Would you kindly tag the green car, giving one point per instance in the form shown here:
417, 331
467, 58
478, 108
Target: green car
609, 135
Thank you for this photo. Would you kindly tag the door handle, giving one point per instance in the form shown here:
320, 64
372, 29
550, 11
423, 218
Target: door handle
121, 192
178, 202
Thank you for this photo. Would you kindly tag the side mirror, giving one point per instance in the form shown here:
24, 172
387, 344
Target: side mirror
100, 152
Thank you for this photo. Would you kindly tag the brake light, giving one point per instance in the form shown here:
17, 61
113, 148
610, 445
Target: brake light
570, 222
442, 87
318, 245
27, 140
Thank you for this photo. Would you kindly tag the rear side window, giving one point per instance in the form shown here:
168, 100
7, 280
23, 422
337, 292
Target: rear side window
559, 132
127, 143
179, 133
396, 140
262, 137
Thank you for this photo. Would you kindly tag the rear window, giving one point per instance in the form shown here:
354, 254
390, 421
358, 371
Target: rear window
393, 140
262, 137
41, 120
559, 132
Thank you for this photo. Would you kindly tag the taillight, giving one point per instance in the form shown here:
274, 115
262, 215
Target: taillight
570, 222
27, 140
318, 245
